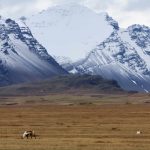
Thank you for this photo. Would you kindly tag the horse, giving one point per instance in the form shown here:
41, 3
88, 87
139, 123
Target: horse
138, 132
28, 134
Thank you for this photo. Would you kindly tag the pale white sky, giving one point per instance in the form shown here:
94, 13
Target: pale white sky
126, 12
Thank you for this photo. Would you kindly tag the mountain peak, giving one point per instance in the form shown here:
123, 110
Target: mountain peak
70, 30
64, 9
138, 28
140, 34
112, 22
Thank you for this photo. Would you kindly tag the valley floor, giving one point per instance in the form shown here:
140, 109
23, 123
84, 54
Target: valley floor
83, 126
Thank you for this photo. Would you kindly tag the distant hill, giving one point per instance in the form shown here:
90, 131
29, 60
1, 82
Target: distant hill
64, 84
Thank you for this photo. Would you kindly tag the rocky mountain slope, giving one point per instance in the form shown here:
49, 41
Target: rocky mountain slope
22, 58
124, 56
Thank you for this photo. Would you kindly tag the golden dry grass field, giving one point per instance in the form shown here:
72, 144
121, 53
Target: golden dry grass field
76, 122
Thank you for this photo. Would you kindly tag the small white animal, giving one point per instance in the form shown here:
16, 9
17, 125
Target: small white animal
138, 132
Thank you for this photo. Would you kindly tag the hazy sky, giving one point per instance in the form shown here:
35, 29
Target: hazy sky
126, 12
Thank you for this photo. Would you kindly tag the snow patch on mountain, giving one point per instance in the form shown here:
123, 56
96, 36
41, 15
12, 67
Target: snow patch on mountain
71, 30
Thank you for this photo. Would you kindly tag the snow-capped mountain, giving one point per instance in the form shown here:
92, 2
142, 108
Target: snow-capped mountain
73, 31
123, 56
70, 30
22, 58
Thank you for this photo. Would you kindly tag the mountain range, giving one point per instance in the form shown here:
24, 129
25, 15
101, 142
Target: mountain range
93, 43
72, 38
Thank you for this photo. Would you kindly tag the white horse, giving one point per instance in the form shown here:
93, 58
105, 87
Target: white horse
138, 132
28, 134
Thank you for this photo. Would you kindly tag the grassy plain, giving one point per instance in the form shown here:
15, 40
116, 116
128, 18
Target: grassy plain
76, 122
